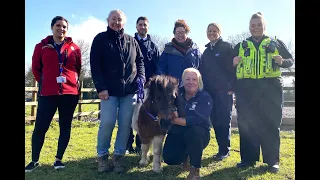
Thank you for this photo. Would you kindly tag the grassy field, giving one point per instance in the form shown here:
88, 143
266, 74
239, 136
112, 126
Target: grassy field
81, 164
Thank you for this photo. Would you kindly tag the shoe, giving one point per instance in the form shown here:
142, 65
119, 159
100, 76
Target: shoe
194, 174
273, 168
31, 166
117, 162
220, 157
103, 165
58, 165
243, 164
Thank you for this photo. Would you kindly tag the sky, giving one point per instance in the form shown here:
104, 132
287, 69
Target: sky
88, 18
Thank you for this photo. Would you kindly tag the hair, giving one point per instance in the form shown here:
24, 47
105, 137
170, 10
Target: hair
124, 18
200, 82
259, 16
215, 25
181, 23
58, 18
142, 18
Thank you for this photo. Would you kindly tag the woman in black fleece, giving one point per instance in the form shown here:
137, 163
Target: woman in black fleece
117, 66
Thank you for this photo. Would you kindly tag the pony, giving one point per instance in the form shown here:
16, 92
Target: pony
161, 102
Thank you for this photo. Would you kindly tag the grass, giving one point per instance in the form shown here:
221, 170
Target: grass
80, 159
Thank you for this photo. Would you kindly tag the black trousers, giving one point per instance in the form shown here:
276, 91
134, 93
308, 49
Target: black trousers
259, 108
47, 106
192, 142
131, 140
221, 116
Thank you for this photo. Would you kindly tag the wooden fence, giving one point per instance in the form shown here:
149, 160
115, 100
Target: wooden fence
287, 122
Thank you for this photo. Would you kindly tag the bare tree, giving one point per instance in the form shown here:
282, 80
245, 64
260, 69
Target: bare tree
29, 78
85, 53
159, 41
235, 39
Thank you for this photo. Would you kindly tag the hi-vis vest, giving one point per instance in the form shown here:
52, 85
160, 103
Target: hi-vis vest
258, 63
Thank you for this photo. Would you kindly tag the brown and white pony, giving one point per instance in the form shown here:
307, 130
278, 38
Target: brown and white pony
160, 101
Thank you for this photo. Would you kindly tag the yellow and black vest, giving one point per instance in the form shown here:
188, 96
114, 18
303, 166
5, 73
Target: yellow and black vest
258, 63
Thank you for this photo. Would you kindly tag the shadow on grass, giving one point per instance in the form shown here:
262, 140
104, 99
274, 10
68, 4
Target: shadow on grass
86, 169
231, 172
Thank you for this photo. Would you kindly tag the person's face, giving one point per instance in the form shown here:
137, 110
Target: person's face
213, 33
180, 34
191, 82
256, 27
116, 21
60, 29
142, 27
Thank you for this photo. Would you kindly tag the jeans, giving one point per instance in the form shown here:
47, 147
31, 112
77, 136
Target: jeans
108, 116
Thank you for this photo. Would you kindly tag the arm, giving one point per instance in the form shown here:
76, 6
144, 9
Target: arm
163, 64
140, 63
202, 113
287, 60
36, 62
95, 65
231, 70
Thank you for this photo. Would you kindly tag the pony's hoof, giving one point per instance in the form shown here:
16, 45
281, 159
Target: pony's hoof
143, 163
157, 169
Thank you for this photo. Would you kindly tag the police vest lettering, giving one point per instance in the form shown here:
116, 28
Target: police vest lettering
258, 63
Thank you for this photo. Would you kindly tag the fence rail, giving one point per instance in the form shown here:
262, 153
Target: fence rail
287, 122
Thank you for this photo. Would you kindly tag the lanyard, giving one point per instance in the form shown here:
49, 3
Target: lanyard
58, 48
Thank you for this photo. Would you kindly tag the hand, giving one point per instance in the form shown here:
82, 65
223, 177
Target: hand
230, 93
278, 59
104, 95
236, 60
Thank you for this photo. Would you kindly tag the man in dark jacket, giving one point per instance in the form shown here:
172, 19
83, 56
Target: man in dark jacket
116, 65
151, 56
218, 78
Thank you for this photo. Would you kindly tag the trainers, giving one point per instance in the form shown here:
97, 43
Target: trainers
31, 166
220, 157
58, 165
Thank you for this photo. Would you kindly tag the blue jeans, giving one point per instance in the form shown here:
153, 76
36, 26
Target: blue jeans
108, 118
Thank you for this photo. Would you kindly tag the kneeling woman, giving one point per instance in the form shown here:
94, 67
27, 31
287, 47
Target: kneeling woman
189, 136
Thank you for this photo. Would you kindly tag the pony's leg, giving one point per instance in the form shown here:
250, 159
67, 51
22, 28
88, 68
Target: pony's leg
157, 151
144, 154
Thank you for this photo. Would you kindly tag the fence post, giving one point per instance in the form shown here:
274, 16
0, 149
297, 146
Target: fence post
99, 108
81, 97
34, 99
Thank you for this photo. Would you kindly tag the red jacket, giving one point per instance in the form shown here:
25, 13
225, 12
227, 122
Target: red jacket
46, 68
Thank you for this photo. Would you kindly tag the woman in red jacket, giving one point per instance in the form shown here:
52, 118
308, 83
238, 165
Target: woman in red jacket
56, 65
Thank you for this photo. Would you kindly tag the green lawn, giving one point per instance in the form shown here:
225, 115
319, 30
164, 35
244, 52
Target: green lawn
80, 159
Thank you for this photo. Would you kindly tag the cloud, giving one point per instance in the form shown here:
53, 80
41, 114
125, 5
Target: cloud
87, 29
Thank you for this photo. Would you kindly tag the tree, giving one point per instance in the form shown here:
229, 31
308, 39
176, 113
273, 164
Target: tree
85, 53
159, 41
28, 79
235, 39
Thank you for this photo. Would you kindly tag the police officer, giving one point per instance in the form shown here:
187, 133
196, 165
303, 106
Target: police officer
259, 92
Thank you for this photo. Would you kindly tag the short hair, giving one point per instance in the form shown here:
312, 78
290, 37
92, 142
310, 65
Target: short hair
58, 18
200, 82
215, 25
181, 23
142, 18
124, 18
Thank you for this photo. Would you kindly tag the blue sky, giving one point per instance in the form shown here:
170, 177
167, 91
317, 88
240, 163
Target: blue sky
87, 18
